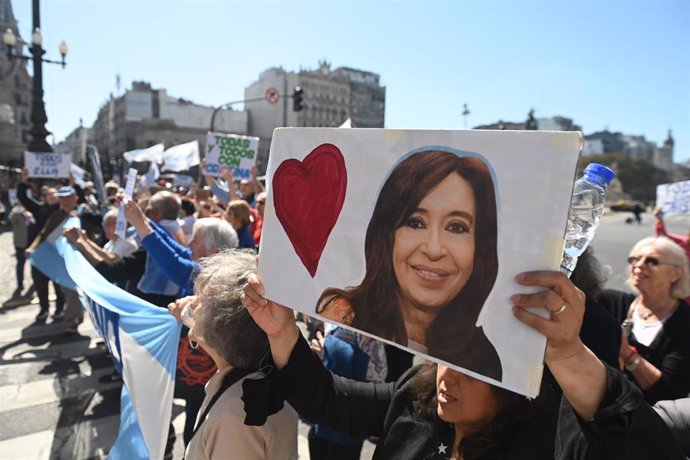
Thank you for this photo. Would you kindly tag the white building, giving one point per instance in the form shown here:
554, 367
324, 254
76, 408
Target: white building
145, 116
593, 147
330, 97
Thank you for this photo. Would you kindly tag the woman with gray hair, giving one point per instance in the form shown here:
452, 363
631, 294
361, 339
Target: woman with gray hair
223, 327
655, 347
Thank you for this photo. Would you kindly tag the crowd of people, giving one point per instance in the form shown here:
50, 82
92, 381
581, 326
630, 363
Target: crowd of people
617, 363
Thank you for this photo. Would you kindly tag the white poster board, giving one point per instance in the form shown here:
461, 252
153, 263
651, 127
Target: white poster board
121, 222
674, 198
323, 190
231, 151
48, 165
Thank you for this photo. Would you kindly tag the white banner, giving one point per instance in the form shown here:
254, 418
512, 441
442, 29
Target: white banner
53, 165
674, 198
153, 153
181, 157
231, 151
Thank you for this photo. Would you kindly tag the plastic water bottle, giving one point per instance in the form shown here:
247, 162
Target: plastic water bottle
586, 208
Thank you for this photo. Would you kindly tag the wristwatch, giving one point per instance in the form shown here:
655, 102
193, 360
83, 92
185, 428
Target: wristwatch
633, 364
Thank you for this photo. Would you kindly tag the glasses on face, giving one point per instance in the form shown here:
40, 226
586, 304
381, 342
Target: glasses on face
649, 261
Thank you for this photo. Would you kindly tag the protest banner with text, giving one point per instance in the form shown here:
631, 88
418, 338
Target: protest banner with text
48, 165
231, 151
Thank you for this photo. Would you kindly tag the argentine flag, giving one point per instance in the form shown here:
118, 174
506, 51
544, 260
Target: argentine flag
142, 340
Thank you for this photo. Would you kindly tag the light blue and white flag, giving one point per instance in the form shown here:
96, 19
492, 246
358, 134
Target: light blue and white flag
181, 157
142, 340
150, 178
47, 260
153, 153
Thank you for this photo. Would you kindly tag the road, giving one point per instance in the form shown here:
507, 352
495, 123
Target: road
56, 401
615, 238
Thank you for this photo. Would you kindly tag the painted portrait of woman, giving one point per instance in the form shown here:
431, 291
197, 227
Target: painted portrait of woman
431, 261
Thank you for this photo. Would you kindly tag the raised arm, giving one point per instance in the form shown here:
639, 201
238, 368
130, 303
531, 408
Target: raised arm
258, 186
29, 204
358, 408
579, 373
94, 253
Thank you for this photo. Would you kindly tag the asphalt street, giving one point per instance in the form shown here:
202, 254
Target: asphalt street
56, 398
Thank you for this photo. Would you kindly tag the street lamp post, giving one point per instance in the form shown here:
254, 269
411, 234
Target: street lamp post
39, 133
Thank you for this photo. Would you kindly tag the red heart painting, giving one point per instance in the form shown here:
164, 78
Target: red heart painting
308, 197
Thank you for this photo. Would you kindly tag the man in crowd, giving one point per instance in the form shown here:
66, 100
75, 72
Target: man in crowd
73, 315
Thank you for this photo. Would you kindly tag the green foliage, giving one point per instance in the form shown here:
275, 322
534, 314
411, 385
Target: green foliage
638, 177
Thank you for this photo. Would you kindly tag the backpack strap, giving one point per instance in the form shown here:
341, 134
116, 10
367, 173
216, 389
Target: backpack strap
234, 376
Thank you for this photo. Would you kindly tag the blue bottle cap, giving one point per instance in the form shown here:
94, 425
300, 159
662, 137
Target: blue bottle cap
601, 171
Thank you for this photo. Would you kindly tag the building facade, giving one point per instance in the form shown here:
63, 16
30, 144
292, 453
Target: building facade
15, 95
330, 97
663, 156
145, 116
75, 143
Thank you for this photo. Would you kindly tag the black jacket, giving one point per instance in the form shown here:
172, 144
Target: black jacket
624, 427
669, 352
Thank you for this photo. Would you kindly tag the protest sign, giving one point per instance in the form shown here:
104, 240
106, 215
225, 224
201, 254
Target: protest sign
353, 216
674, 198
78, 174
181, 157
153, 153
231, 151
47, 165
121, 223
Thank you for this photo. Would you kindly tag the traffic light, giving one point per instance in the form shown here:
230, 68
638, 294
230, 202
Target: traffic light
297, 99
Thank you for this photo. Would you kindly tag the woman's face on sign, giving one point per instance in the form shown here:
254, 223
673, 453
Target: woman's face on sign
433, 251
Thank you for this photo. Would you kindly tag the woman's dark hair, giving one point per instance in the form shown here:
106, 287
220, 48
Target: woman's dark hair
490, 441
375, 302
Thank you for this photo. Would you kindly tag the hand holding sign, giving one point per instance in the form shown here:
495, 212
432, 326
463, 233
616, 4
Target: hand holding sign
121, 223
133, 213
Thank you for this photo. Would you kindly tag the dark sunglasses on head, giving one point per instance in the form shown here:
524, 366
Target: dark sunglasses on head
649, 261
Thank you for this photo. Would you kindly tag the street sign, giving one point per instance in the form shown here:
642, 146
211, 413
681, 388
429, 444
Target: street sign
272, 95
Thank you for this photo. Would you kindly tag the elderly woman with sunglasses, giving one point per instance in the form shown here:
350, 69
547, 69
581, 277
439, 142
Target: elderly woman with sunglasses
655, 347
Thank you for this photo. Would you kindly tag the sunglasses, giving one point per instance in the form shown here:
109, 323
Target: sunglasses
649, 261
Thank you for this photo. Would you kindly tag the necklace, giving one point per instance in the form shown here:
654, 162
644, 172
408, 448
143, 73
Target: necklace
648, 315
